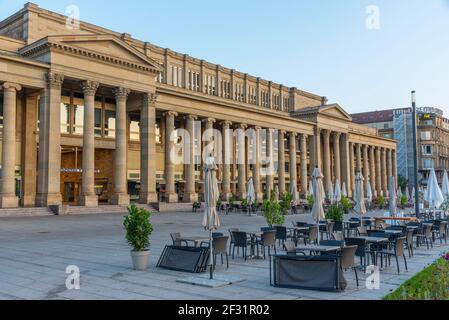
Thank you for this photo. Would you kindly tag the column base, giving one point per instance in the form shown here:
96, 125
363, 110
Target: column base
226, 196
241, 196
120, 200
171, 198
90, 201
190, 198
28, 201
9, 201
148, 198
48, 199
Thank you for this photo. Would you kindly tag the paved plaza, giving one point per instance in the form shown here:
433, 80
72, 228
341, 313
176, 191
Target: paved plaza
35, 252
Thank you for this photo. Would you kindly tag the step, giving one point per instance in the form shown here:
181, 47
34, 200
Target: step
26, 212
173, 207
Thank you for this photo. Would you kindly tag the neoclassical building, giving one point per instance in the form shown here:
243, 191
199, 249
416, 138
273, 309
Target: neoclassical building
87, 116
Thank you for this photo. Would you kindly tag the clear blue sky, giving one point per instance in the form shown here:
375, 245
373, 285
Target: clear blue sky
322, 46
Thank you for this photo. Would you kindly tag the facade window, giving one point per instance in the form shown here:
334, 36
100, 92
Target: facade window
427, 150
78, 113
239, 94
386, 126
265, 99
426, 135
194, 81
427, 164
276, 101
134, 130
286, 106
226, 89
210, 86
109, 123
252, 95
176, 76
158, 131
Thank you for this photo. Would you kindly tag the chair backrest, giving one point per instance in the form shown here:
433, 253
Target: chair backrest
377, 234
338, 235
313, 233
176, 236
428, 230
220, 244
217, 234
399, 246
409, 236
334, 243
442, 227
330, 227
360, 243
281, 232
269, 238
362, 231
348, 254
231, 233
240, 239
290, 247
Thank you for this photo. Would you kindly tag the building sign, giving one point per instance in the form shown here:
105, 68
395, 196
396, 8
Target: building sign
75, 170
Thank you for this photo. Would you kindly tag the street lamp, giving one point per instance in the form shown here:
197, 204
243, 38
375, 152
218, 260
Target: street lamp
415, 155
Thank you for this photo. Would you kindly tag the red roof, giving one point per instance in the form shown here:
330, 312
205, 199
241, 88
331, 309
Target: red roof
373, 117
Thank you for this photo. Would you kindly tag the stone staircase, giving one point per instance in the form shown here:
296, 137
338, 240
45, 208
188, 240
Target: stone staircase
102, 209
26, 212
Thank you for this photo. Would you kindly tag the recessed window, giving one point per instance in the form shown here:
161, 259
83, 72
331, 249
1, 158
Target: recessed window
109, 123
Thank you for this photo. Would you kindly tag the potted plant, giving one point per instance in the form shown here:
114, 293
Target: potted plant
335, 213
311, 201
403, 201
346, 204
381, 202
286, 202
272, 213
138, 230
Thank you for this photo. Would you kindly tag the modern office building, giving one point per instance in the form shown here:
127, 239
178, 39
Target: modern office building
88, 116
432, 135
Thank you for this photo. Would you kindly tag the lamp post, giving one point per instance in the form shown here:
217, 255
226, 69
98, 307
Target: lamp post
415, 155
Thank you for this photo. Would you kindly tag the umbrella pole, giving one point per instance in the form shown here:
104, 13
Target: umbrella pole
211, 261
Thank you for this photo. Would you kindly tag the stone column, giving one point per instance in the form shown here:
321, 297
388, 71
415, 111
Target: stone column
227, 160
372, 171
358, 148
389, 167
337, 159
29, 151
49, 158
241, 161
384, 172
281, 161
270, 156
345, 171
316, 151
88, 197
121, 196
293, 153
190, 194
303, 146
395, 167
378, 172
8, 197
148, 193
366, 174
256, 166
351, 185
170, 192
209, 145
327, 162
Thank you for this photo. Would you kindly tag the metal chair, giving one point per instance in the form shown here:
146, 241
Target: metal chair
176, 238
219, 245
398, 251
267, 240
348, 254
241, 241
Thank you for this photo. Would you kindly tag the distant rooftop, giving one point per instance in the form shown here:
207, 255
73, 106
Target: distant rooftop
373, 116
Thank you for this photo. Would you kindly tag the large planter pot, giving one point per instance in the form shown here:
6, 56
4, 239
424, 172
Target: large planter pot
140, 259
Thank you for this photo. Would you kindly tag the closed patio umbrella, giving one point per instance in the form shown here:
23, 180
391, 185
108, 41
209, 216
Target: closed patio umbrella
344, 190
251, 193
310, 192
337, 192
319, 196
359, 197
433, 193
295, 193
445, 186
369, 194
211, 194
393, 198
407, 194
330, 195
399, 195
277, 195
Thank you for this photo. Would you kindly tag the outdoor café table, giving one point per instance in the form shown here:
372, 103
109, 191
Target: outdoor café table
196, 240
254, 236
316, 249
393, 232
373, 240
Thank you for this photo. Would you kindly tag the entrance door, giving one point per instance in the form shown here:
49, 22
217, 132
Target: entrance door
69, 192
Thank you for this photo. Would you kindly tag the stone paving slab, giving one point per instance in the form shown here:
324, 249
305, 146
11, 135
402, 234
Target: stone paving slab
35, 251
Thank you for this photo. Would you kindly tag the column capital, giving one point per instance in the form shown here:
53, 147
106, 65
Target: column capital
89, 87
293, 134
150, 99
209, 120
303, 136
121, 94
226, 123
326, 133
11, 86
257, 128
241, 126
190, 117
337, 134
171, 114
54, 80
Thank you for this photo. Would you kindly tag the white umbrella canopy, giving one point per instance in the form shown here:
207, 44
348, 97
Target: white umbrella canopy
359, 197
330, 195
369, 193
294, 192
251, 193
344, 190
310, 192
211, 220
319, 196
276, 194
433, 193
393, 198
399, 195
407, 194
445, 186
337, 192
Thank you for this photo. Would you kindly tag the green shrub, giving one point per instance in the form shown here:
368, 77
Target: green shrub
138, 228
272, 213
311, 200
244, 202
404, 201
381, 201
345, 203
335, 213
286, 202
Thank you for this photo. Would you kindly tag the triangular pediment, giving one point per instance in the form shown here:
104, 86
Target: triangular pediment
335, 111
105, 47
